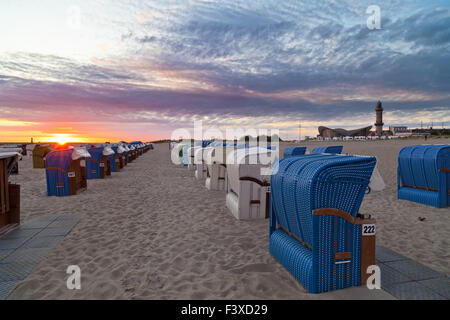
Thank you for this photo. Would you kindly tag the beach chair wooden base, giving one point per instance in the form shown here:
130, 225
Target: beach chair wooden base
106, 168
77, 180
12, 216
121, 162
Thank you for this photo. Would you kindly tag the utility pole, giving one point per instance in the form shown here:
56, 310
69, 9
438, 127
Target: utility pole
299, 131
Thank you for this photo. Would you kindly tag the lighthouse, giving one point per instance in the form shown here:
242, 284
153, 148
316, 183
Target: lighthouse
379, 124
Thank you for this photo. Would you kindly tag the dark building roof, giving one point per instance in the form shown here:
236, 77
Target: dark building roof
339, 132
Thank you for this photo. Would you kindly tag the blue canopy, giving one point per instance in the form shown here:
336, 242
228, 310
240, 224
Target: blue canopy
59, 159
96, 153
57, 163
93, 164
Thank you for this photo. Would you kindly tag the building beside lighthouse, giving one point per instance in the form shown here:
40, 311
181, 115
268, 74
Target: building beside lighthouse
379, 122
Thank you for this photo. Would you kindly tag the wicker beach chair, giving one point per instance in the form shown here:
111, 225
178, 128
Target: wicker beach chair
9, 193
39, 153
191, 151
216, 168
294, 151
126, 155
329, 149
176, 153
201, 168
247, 187
185, 155
66, 171
114, 161
315, 230
423, 175
131, 153
98, 166
119, 159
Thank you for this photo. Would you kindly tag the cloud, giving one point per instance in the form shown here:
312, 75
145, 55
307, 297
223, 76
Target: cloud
268, 61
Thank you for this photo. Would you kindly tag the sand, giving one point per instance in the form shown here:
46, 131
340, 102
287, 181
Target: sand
152, 231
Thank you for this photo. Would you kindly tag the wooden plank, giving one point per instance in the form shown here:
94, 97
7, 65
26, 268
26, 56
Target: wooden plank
367, 256
255, 180
423, 188
296, 238
14, 203
342, 255
334, 212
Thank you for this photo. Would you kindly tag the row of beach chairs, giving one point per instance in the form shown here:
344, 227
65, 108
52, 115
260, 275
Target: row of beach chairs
313, 201
68, 170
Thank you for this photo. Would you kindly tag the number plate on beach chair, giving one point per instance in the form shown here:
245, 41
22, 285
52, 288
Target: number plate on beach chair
368, 229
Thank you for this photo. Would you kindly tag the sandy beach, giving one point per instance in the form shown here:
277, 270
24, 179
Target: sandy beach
152, 231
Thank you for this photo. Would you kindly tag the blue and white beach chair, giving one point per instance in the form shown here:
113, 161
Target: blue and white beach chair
66, 171
315, 230
423, 175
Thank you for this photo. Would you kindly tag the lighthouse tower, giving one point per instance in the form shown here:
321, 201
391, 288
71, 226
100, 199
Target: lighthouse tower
379, 124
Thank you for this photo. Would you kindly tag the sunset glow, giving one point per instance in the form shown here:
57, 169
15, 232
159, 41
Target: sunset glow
63, 139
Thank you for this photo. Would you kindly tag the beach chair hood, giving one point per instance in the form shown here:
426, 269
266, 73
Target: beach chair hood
59, 159
80, 152
108, 151
96, 153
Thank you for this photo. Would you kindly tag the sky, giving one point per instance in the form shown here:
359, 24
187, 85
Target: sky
111, 70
